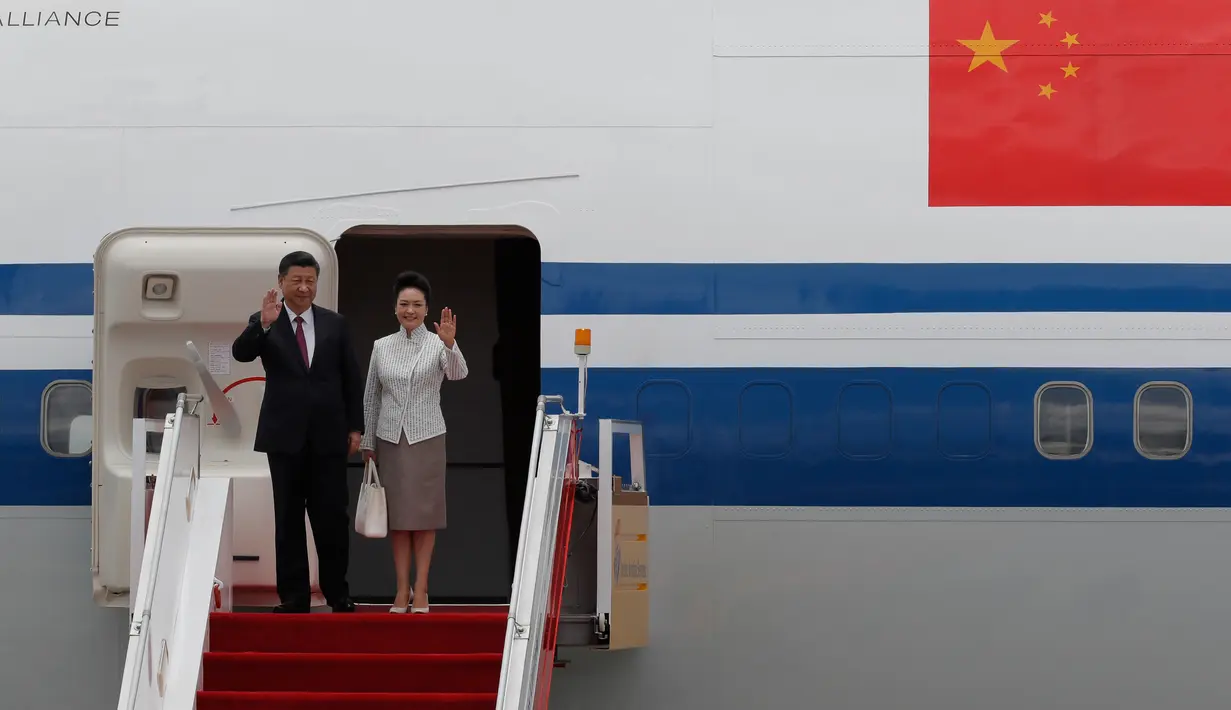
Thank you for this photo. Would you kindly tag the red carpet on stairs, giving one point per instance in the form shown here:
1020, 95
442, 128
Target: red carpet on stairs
443, 660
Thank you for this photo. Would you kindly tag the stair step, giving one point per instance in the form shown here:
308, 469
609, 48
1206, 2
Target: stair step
466, 632
352, 672
231, 700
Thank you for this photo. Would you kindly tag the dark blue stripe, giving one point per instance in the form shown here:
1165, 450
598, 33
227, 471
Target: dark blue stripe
814, 437
899, 437
28, 474
718, 289
46, 289
722, 289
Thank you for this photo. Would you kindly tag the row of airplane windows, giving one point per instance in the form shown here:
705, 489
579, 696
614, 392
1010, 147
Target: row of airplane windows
1162, 420
1063, 420
1063, 416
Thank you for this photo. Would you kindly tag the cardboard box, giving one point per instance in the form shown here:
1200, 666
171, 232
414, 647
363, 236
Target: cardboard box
630, 567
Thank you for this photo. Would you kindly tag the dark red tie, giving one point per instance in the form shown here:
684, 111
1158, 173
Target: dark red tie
303, 342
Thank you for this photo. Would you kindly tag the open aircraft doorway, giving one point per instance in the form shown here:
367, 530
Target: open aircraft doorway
490, 278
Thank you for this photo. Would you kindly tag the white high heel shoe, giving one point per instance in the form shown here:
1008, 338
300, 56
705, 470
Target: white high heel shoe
402, 609
415, 609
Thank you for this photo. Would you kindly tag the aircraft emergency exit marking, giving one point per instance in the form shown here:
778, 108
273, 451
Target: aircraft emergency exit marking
987, 49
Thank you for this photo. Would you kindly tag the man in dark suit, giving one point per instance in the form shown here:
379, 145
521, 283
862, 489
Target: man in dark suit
311, 416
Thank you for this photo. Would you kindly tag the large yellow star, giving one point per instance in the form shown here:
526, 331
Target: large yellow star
987, 49
1070, 38
1047, 19
1070, 70
1046, 90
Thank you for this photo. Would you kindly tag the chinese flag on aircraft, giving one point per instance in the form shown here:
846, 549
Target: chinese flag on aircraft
1081, 102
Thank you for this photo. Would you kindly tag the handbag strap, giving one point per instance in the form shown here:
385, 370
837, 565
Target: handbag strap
370, 476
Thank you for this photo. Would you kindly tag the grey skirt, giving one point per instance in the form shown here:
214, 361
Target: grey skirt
414, 479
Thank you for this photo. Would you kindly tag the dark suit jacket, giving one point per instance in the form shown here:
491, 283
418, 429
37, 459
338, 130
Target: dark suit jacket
305, 410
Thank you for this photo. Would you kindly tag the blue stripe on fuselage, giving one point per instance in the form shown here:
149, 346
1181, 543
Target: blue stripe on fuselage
47, 289
701, 289
776, 437
31, 476
794, 437
735, 289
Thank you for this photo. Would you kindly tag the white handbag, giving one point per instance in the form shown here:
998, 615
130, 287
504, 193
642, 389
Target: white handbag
371, 515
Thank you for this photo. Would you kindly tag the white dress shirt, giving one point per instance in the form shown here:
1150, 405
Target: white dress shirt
309, 328
403, 389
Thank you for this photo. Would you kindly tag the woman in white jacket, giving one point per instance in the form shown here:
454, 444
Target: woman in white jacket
404, 430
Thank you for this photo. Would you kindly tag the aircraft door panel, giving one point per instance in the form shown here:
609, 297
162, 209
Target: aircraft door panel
155, 291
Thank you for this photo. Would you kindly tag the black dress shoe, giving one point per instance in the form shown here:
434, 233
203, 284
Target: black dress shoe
343, 606
295, 608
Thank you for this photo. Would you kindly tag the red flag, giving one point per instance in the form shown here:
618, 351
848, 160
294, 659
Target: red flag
1084, 102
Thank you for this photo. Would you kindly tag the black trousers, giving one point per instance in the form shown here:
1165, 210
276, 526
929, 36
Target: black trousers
316, 484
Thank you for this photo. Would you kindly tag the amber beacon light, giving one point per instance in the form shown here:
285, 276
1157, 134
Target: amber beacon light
581, 347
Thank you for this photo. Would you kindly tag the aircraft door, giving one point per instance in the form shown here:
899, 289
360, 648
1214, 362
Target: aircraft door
156, 290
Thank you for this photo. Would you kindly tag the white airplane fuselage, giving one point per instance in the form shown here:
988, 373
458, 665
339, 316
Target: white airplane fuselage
900, 454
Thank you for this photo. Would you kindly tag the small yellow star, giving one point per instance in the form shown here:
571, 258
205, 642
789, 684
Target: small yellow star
987, 49
1070, 70
1046, 18
1070, 38
1046, 90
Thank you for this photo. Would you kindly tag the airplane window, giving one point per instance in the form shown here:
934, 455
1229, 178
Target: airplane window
1063, 421
155, 403
68, 420
1163, 418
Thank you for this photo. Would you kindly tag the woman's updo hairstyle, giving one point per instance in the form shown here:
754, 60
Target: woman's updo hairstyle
412, 279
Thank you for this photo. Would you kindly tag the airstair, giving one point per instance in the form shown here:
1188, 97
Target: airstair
188, 648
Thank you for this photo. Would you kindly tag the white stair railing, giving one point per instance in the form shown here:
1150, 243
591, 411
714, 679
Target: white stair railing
153, 625
530, 601
164, 558
536, 557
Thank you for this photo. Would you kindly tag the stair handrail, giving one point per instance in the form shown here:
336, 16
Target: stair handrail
147, 583
535, 575
551, 585
540, 413
529, 599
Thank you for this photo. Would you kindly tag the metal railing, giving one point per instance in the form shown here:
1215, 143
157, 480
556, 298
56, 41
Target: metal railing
530, 602
157, 589
565, 499
542, 548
